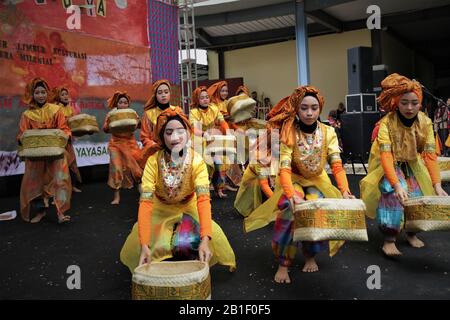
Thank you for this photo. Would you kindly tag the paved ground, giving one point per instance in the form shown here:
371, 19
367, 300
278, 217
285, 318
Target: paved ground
34, 258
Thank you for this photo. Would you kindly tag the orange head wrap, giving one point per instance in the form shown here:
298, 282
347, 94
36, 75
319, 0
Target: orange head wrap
28, 97
214, 91
151, 103
55, 94
394, 86
196, 96
283, 114
242, 89
112, 102
164, 118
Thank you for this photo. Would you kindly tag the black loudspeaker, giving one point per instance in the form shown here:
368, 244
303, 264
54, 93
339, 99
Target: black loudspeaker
363, 102
356, 133
379, 73
359, 66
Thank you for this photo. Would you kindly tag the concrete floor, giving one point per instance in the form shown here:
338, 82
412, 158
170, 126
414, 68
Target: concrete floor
34, 258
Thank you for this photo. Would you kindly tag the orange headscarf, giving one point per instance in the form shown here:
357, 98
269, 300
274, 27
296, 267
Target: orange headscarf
196, 96
283, 114
214, 91
28, 97
55, 94
242, 89
164, 118
112, 102
151, 103
394, 86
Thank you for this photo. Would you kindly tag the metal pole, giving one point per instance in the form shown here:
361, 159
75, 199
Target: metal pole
301, 31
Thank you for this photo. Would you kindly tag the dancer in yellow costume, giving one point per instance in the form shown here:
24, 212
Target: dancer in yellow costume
255, 186
403, 160
174, 219
158, 102
305, 147
218, 95
206, 118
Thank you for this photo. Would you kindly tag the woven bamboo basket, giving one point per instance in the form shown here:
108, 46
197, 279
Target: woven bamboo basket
430, 213
40, 144
167, 280
241, 108
444, 163
123, 120
330, 219
83, 124
444, 167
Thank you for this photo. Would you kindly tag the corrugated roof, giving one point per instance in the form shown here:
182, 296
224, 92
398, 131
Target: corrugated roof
252, 26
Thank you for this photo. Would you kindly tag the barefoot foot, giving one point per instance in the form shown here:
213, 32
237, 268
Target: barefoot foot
75, 189
38, 217
116, 199
310, 265
390, 249
414, 241
63, 219
282, 275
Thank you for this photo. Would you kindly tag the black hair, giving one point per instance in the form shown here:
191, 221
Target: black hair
40, 84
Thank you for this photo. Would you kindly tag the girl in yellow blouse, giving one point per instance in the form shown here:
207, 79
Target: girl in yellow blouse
255, 181
158, 102
205, 118
174, 219
218, 95
403, 161
305, 147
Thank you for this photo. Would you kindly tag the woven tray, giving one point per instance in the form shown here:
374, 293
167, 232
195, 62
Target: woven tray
181, 280
330, 219
83, 124
431, 213
123, 120
39, 144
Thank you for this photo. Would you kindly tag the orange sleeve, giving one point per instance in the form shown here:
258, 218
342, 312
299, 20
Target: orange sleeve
23, 125
340, 176
61, 123
224, 127
204, 214
144, 221
431, 163
105, 125
387, 162
146, 134
286, 182
264, 184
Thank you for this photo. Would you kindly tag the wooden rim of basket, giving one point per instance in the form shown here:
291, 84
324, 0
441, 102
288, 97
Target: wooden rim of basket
82, 116
426, 200
142, 273
332, 204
